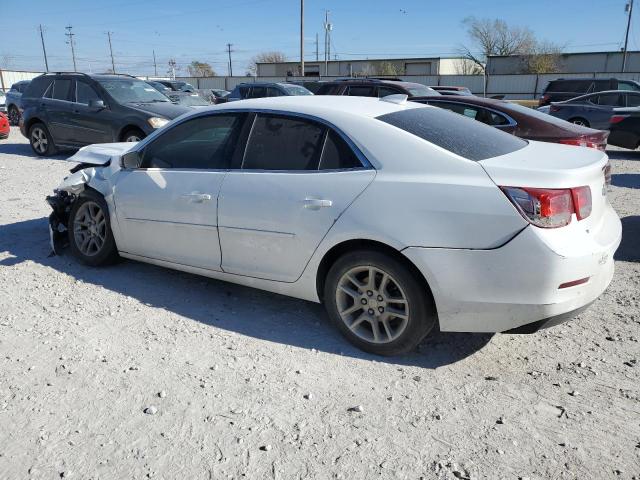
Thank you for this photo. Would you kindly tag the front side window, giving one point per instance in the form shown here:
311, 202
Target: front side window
329, 90
608, 99
283, 143
628, 86
273, 92
633, 100
201, 143
296, 90
258, 92
85, 93
385, 91
60, 90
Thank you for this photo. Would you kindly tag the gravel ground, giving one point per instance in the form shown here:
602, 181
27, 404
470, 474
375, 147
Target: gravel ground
135, 371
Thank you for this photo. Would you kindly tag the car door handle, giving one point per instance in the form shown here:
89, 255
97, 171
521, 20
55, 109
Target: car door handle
196, 197
316, 203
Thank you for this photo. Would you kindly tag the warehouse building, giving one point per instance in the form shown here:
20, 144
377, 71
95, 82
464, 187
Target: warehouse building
379, 66
587, 62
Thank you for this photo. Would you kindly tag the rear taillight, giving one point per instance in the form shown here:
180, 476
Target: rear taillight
544, 99
617, 119
554, 108
550, 208
589, 141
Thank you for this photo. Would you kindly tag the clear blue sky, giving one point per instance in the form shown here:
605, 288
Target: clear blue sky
200, 29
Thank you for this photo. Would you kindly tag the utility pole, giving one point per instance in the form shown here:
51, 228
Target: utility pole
327, 41
172, 66
629, 8
113, 64
317, 56
44, 50
302, 38
229, 45
71, 42
155, 66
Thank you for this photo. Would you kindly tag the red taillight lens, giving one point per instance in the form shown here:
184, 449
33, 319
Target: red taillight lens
617, 119
589, 142
581, 202
550, 208
554, 108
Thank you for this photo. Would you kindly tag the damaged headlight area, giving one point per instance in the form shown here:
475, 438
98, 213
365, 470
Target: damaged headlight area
61, 203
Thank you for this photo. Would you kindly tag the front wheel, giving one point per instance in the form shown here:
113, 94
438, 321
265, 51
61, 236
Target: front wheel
133, 135
90, 237
378, 303
14, 115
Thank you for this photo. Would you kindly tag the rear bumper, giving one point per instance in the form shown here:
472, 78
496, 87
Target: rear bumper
517, 284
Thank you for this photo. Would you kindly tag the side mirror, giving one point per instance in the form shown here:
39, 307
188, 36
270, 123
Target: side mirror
96, 105
131, 160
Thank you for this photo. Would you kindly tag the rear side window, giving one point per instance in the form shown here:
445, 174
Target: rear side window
336, 154
465, 137
385, 91
244, 91
60, 90
608, 99
579, 86
37, 87
633, 100
283, 143
329, 90
363, 91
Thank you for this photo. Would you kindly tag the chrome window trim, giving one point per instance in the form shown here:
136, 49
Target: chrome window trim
366, 164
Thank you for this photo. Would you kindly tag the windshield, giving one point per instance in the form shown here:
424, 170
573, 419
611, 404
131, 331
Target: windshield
532, 112
132, 91
422, 91
191, 101
296, 90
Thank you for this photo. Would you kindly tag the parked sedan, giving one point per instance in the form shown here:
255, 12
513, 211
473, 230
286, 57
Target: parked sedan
4, 126
625, 128
400, 217
266, 89
521, 121
594, 110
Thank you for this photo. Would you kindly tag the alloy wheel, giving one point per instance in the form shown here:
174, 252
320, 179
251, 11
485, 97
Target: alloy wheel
39, 140
132, 138
372, 304
90, 228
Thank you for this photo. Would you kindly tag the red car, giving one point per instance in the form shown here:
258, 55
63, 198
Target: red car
4, 126
520, 121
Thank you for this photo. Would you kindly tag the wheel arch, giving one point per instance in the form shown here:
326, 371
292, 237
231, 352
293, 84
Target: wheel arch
126, 128
32, 121
343, 247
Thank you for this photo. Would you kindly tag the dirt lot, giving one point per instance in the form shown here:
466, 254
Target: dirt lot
246, 384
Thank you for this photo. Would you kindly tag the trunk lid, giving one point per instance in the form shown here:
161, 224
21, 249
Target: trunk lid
547, 165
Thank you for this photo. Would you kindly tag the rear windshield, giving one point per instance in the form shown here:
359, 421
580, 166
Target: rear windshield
456, 133
532, 112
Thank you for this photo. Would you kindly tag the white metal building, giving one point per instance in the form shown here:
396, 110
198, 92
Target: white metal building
587, 62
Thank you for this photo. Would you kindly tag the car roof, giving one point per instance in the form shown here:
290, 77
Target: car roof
324, 106
374, 81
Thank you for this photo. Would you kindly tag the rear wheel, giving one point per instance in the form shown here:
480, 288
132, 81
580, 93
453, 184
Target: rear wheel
377, 303
133, 135
40, 140
90, 237
580, 121
14, 115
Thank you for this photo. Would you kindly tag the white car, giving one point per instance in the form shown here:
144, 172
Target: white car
400, 217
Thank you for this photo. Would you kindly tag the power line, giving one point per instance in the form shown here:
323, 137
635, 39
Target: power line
71, 42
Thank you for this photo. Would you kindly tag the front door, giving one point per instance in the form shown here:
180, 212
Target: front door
89, 125
296, 179
167, 209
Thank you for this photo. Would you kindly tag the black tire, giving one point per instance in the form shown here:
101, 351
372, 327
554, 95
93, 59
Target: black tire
580, 121
421, 312
38, 133
131, 133
108, 252
14, 115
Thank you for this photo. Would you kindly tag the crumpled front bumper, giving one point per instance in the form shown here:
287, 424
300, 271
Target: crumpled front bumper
60, 202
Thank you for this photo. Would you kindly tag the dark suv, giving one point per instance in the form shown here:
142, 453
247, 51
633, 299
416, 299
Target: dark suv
567, 88
266, 89
369, 87
70, 110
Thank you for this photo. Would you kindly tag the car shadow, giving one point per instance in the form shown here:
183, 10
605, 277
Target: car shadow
244, 310
24, 150
623, 154
629, 250
626, 180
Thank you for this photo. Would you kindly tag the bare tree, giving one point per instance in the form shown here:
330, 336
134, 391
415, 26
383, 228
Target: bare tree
495, 37
200, 69
544, 58
389, 68
6, 60
265, 57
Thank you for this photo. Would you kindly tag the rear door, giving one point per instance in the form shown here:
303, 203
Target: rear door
167, 209
89, 125
292, 183
58, 106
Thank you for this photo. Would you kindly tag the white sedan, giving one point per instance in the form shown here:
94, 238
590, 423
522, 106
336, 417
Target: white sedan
400, 217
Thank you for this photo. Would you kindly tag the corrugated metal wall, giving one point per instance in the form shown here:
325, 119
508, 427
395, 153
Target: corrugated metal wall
9, 77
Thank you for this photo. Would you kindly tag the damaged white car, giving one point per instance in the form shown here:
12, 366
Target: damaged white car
399, 217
